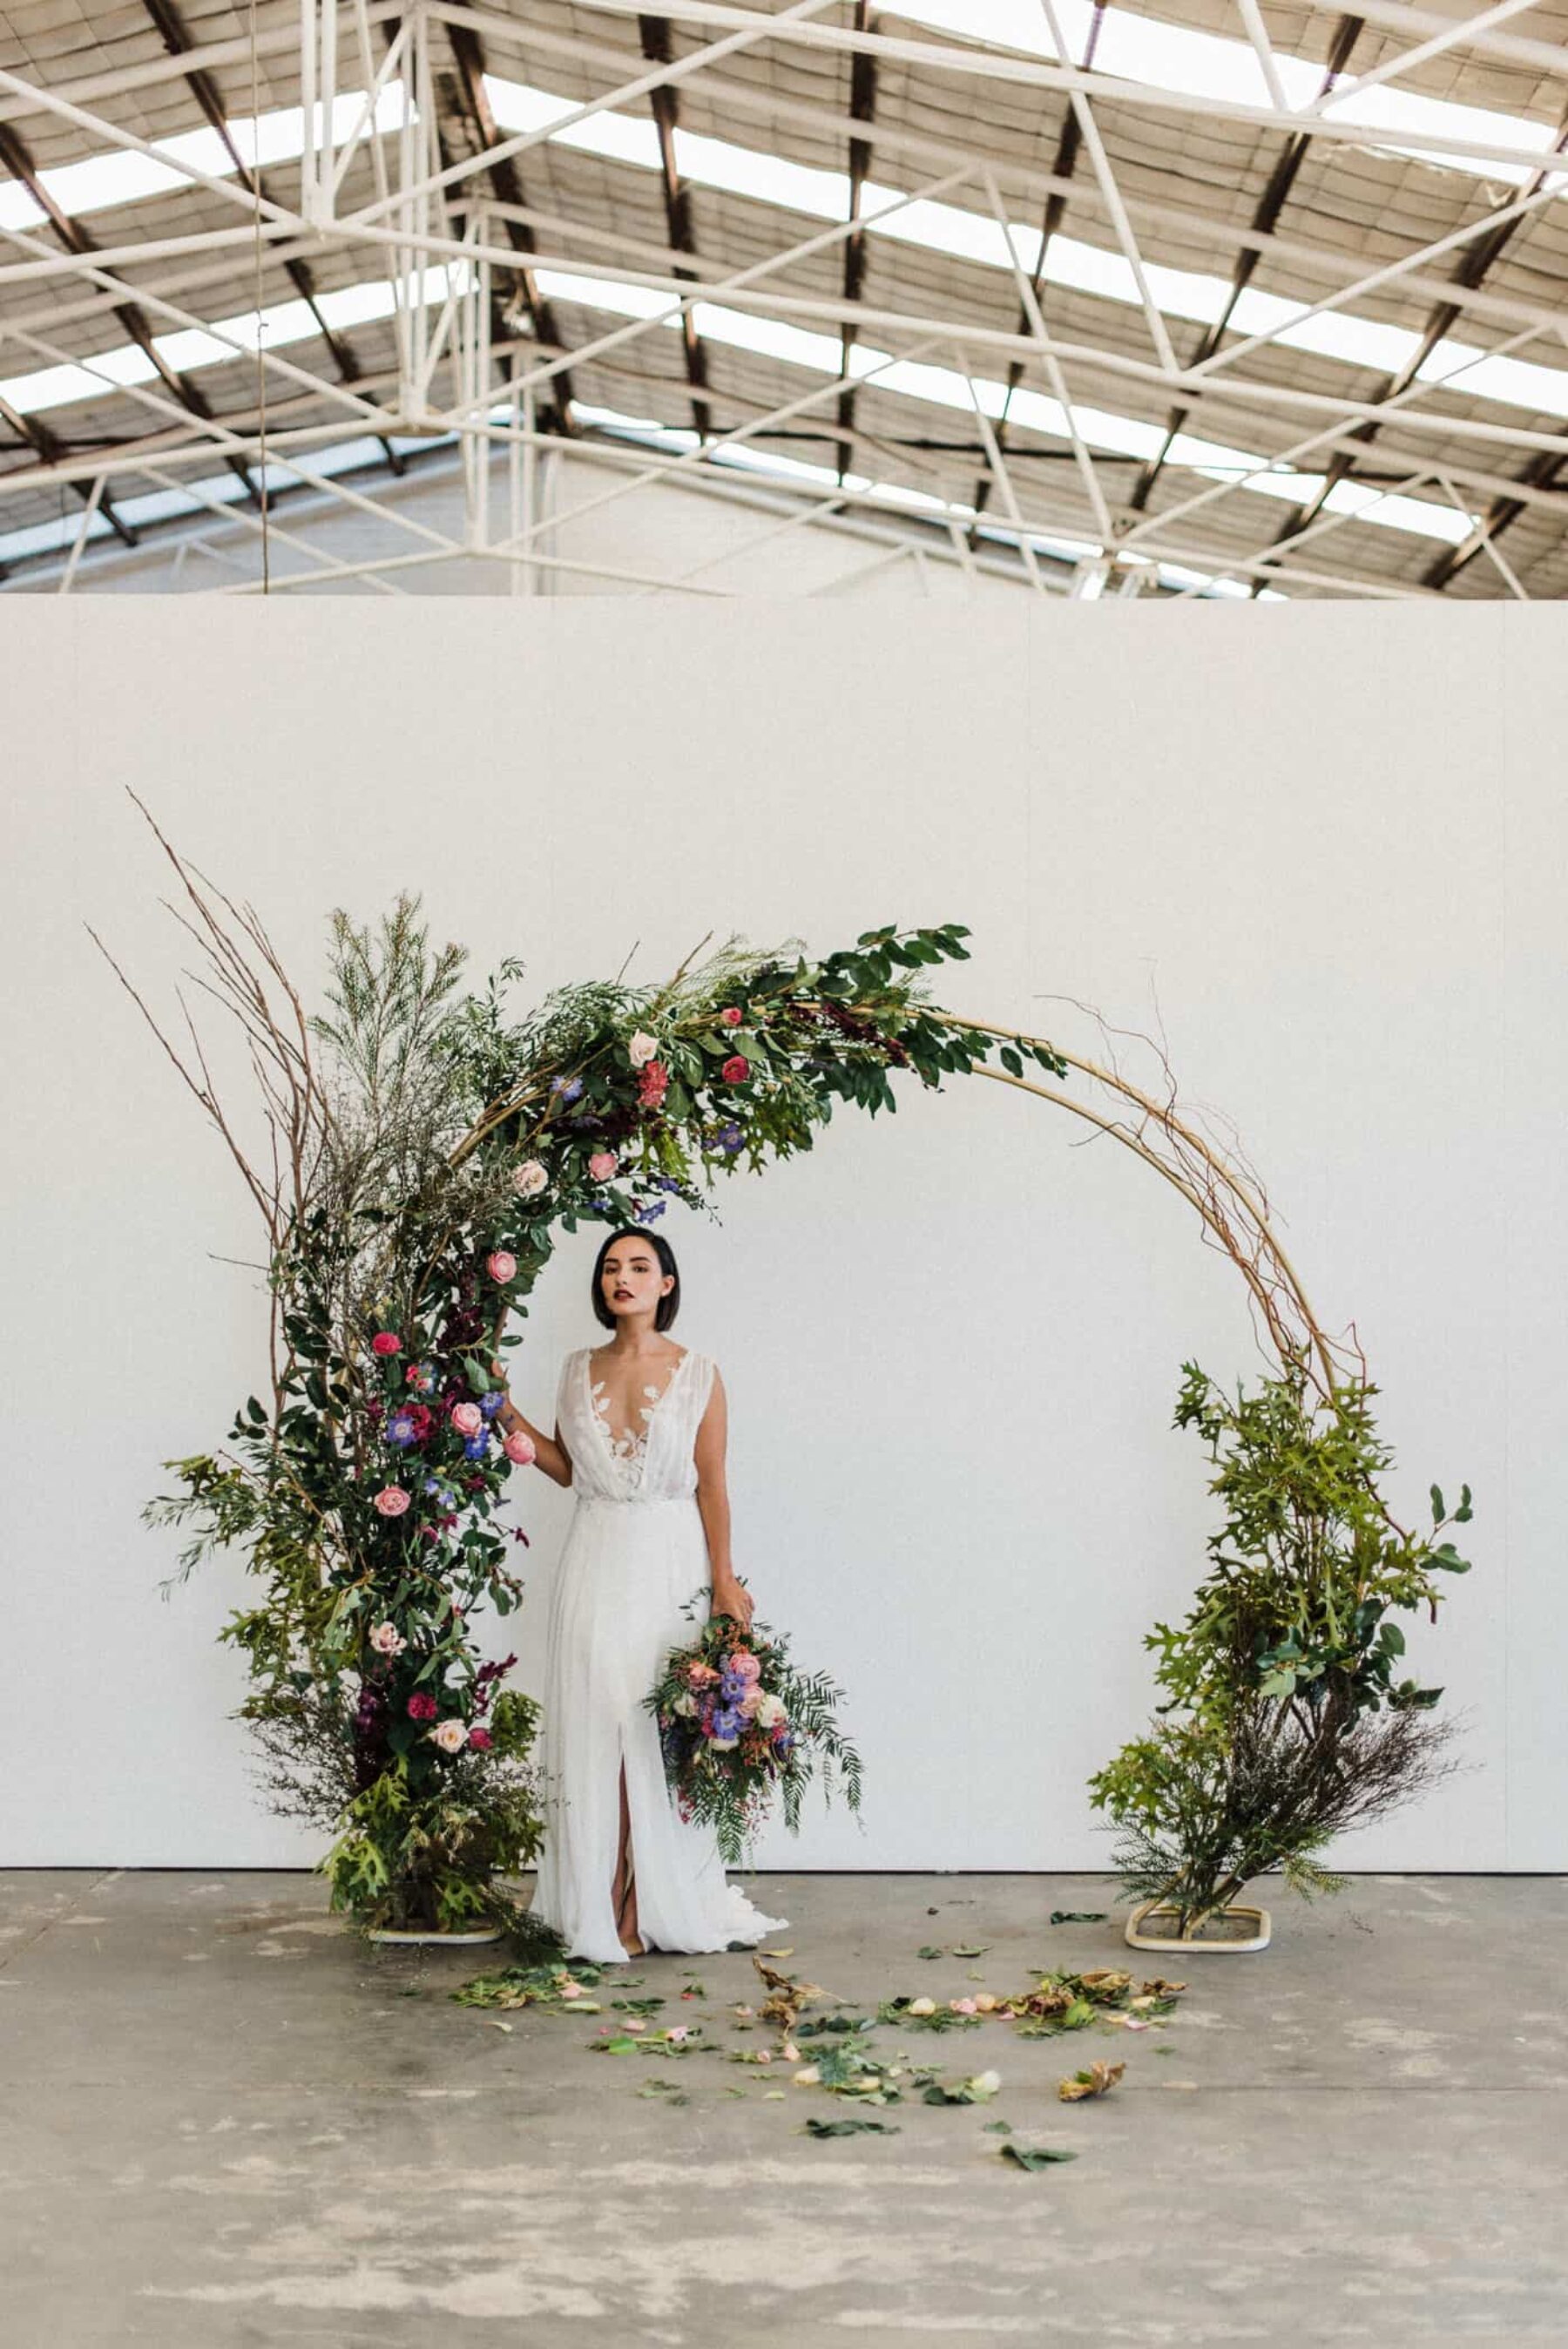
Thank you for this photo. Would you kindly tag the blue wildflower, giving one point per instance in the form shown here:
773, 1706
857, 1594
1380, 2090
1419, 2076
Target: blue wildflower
731, 1136
725, 1723
490, 1403
567, 1087
400, 1430
650, 1210
476, 1446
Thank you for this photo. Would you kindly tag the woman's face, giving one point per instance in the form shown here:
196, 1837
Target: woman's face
631, 1282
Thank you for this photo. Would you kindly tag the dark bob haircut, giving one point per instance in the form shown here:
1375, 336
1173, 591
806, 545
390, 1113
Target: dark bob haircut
668, 1305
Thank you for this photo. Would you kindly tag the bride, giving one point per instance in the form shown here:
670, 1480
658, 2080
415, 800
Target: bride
640, 1432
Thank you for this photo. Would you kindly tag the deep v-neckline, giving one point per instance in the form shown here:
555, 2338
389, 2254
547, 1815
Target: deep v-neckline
631, 1446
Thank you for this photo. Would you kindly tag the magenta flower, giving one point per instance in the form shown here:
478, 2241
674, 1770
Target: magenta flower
422, 1708
386, 1341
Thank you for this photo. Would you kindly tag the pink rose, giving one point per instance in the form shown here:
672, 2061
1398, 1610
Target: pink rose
392, 1500
735, 1070
641, 1048
501, 1267
528, 1179
387, 1640
603, 1164
747, 1705
422, 1708
451, 1736
480, 1740
468, 1418
732, 1015
386, 1341
519, 1449
744, 1665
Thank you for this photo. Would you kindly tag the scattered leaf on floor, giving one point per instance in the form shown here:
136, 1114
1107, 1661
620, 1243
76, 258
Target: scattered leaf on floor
997, 2128
977, 2091
1098, 2081
1034, 2156
780, 1953
815, 2127
928, 1952
1078, 1916
971, 1949
667, 2089
494, 2022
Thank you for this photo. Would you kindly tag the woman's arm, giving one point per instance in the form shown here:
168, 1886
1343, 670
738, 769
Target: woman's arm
729, 1597
550, 1453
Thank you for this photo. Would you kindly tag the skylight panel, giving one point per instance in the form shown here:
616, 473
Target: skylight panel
1192, 63
95, 183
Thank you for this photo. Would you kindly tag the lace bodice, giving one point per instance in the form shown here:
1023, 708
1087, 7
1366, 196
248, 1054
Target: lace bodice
651, 1461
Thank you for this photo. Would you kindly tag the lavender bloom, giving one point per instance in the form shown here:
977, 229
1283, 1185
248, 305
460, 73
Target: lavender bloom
400, 1430
731, 1136
726, 1723
477, 1445
490, 1403
649, 1211
567, 1087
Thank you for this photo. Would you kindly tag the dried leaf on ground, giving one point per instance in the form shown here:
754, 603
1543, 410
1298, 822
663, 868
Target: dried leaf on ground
785, 1997
1098, 2081
1034, 2156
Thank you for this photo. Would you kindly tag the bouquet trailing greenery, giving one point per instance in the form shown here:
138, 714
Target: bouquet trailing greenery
739, 1724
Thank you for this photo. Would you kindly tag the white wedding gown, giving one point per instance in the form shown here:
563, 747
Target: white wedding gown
636, 1552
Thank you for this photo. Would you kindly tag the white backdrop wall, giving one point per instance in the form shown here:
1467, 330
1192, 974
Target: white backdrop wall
1324, 846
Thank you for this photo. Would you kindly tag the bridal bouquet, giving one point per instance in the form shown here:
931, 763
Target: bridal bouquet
738, 1724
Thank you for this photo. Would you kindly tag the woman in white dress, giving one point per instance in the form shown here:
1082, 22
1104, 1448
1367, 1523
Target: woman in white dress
640, 1433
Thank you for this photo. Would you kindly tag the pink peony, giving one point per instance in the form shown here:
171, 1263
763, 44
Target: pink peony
603, 1164
422, 1708
468, 1418
732, 1015
480, 1740
744, 1664
501, 1267
735, 1070
392, 1500
386, 1341
519, 1449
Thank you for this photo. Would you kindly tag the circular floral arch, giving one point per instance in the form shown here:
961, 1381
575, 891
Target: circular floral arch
426, 1148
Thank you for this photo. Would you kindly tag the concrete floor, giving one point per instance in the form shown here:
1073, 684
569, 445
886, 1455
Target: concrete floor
227, 2124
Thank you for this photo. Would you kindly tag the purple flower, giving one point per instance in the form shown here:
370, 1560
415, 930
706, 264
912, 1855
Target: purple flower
731, 1136
601, 1205
567, 1087
649, 1210
490, 1403
476, 1446
401, 1429
725, 1723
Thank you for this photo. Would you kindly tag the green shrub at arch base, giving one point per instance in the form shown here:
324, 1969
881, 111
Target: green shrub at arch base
427, 1149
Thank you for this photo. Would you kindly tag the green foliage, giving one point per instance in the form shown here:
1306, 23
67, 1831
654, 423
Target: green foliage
1281, 1722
